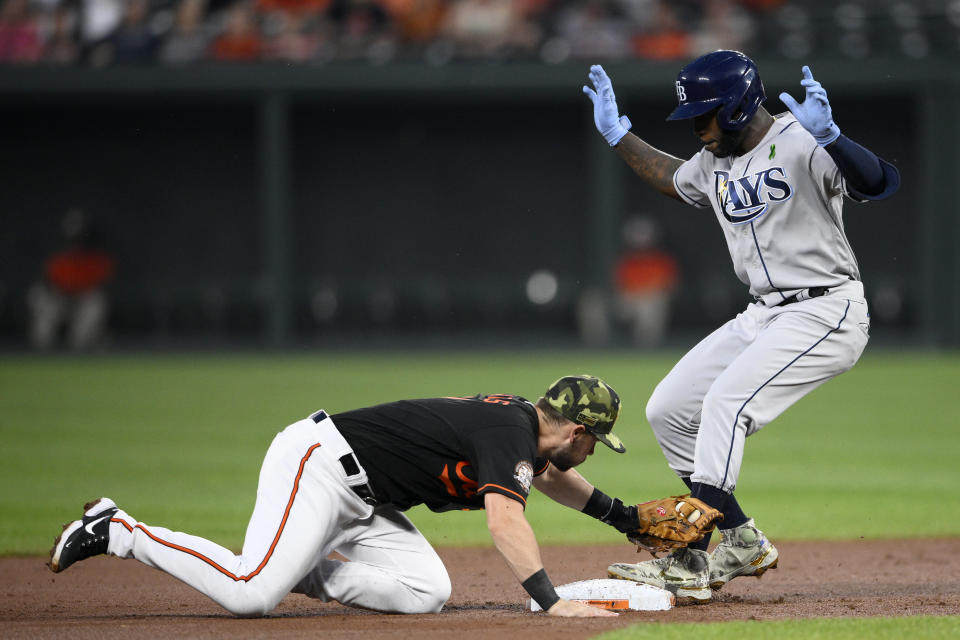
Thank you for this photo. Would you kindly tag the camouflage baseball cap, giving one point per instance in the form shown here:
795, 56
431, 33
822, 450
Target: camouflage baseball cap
588, 401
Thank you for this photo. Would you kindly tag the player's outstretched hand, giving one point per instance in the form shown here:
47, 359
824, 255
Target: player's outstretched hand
569, 609
814, 112
611, 125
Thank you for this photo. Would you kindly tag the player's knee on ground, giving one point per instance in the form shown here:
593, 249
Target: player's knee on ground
432, 601
428, 590
441, 592
248, 600
252, 599
402, 595
421, 588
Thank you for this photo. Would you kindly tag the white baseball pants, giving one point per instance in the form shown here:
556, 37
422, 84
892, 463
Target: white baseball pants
748, 372
305, 510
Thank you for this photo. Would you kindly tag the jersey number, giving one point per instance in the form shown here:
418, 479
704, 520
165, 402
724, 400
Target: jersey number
498, 398
468, 487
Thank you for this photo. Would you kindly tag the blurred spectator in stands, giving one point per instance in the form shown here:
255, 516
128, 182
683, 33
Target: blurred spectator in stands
762, 5
528, 29
724, 25
72, 298
646, 278
594, 29
19, 37
218, 7
662, 34
188, 39
311, 7
479, 28
294, 35
418, 22
133, 42
240, 40
363, 30
98, 19
61, 42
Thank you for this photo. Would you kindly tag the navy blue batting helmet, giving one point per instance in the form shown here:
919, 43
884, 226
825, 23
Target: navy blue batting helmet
725, 79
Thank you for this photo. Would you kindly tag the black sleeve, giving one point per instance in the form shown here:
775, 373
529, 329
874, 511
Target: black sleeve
504, 462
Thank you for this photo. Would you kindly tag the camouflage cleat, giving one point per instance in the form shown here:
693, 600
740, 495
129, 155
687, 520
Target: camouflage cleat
684, 573
743, 551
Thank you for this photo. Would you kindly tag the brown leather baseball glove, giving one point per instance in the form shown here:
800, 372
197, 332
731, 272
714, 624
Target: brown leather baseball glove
671, 523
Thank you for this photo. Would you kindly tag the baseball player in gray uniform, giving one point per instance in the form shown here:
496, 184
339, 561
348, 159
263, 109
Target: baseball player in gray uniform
776, 185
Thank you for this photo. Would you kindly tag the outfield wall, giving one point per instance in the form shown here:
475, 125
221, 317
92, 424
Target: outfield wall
242, 201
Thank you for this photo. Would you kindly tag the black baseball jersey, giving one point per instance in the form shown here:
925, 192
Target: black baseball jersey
446, 452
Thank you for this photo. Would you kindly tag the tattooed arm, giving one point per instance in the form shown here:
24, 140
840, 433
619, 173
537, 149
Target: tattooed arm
654, 166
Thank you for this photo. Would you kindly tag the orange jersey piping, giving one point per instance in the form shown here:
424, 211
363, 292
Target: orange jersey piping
490, 484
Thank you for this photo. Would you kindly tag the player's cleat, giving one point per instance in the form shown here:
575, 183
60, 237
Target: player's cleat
743, 551
83, 538
684, 573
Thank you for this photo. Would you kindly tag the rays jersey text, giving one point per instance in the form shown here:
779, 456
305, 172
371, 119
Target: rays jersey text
747, 198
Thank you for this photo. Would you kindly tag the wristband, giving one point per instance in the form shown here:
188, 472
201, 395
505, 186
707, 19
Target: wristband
611, 511
614, 134
541, 589
830, 135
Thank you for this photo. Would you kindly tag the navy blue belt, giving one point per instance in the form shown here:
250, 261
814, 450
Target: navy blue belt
351, 466
812, 292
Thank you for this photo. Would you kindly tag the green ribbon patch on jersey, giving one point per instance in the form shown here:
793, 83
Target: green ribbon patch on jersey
773, 152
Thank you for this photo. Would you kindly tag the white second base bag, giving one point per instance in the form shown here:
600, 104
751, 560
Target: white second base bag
616, 595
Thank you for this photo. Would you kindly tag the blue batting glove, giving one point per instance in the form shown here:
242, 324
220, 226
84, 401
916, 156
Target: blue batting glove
611, 125
814, 113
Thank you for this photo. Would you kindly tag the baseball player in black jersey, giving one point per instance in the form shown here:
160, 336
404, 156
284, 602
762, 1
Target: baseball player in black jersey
341, 482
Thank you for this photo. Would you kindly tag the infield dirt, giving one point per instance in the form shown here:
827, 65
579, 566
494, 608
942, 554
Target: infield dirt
110, 598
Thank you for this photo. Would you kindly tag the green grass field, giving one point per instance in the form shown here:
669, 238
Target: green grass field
178, 440
925, 627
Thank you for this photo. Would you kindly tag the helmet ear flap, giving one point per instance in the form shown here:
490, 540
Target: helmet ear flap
733, 115
739, 109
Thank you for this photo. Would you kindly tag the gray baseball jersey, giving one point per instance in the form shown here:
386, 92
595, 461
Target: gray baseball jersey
779, 206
